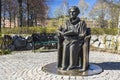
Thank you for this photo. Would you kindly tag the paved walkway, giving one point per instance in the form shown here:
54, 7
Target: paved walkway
26, 65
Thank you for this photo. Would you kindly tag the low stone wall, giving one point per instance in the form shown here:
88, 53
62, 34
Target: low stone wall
107, 42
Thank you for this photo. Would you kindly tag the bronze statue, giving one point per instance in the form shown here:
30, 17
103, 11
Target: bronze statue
73, 48
73, 43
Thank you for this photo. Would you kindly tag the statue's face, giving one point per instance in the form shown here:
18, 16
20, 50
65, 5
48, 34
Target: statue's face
73, 13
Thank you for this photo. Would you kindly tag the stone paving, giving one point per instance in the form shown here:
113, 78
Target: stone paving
26, 65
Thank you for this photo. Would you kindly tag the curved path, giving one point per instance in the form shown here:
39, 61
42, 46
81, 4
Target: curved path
26, 65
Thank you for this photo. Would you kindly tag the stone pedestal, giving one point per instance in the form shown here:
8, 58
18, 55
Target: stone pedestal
92, 70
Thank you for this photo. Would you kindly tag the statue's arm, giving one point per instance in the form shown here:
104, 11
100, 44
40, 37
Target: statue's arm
60, 31
83, 29
63, 30
67, 33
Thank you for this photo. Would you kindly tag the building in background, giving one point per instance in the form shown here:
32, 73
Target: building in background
6, 23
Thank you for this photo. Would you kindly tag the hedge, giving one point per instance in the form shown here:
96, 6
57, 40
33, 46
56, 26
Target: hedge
30, 30
109, 31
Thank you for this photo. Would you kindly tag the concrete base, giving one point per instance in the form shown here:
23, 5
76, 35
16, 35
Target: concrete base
92, 70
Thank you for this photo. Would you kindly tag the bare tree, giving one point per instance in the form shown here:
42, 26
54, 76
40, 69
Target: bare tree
61, 11
28, 12
114, 11
36, 11
100, 12
9, 11
106, 10
58, 12
65, 7
83, 6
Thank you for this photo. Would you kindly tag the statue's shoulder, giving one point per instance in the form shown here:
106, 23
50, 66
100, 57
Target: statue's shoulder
67, 22
82, 22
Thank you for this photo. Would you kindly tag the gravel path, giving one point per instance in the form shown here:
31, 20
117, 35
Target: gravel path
26, 65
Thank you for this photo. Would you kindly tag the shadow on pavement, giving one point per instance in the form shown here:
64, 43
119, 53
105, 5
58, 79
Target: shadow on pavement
109, 65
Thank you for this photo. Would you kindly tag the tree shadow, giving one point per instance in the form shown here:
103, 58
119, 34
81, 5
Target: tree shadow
109, 65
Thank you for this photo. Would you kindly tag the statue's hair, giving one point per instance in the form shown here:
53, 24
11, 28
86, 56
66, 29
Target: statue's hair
75, 8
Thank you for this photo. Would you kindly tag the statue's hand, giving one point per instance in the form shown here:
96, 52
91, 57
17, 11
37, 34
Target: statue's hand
70, 33
59, 33
60, 28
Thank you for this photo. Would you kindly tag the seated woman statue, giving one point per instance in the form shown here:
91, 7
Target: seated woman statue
71, 39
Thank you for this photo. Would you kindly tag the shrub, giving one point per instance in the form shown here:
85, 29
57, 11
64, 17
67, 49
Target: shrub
30, 30
96, 31
4, 52
101, 31
51, 30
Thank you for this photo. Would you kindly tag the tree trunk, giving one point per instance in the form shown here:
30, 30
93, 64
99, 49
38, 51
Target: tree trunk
28, 13
36, 20
4, 19
31, 19
20, 13
4, 16
10, 18
119, 20
14, 20
0, 17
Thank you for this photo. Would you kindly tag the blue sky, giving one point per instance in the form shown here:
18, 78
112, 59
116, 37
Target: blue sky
56, 3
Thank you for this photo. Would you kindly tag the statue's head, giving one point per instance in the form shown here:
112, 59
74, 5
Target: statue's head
73, 12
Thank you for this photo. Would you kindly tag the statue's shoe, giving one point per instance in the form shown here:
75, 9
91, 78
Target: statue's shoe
73, 68
63, 68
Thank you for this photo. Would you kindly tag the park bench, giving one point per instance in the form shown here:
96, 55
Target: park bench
44, 40
47, 44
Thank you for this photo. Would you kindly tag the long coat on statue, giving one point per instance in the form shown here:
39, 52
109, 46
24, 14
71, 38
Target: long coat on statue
70, 44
